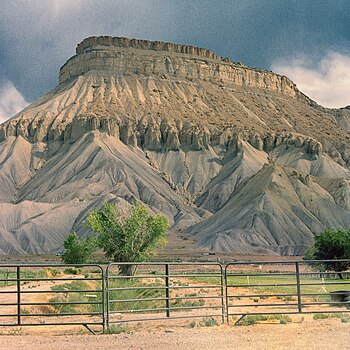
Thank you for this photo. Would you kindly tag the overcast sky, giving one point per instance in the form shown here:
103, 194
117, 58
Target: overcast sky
307, 40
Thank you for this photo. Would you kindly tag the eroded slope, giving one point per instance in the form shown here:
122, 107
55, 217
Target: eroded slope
237, 158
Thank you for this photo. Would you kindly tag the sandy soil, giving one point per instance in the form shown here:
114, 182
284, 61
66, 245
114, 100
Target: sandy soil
310, 335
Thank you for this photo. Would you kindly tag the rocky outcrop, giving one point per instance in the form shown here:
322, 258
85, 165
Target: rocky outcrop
122, 56
237, 158
153, 114
343, 117
89, 43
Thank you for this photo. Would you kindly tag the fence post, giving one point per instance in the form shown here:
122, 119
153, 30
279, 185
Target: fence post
167, 291
18, 295
298, 286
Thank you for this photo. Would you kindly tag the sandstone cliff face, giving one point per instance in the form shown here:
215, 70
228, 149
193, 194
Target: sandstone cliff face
236, 158
121, 56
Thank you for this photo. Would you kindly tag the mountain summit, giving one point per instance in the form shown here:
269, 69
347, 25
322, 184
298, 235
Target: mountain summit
237, 158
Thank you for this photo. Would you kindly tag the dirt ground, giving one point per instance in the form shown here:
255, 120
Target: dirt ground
322, 334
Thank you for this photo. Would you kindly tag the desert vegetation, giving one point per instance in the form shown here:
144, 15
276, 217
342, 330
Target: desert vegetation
331, 244
124, 235
78, 250
128, 235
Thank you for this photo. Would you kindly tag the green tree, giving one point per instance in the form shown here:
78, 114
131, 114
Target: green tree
329, 245
78, 251
128, 235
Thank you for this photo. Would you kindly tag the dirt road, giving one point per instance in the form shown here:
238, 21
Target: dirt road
314, 335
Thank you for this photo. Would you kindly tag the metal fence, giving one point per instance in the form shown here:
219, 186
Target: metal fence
57, 294
161, 291
286, 288
45, 295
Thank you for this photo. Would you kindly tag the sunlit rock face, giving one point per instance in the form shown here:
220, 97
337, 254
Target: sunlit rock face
238, 159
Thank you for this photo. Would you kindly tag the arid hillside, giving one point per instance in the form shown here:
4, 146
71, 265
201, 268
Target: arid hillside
237, 158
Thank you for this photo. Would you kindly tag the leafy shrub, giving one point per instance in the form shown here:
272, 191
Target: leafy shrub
284, 319
253, 319
117, 329
208, 322
71, 271
192, 324
78, 250
345, 319
320, 316
329, 245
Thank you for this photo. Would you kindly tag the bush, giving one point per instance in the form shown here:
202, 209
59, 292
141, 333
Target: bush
71, 271
117, 329
192, 324
329, 245
284, 319
208, 322
253, 319
78, 251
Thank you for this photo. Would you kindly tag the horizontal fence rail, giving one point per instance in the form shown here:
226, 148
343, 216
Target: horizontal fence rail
96, 295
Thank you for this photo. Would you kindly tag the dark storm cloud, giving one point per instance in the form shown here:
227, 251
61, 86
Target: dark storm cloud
257, 32
37, 37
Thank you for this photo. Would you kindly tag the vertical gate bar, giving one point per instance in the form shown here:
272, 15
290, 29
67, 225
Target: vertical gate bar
297, 271
107, 295
103, 300
226, 294
222, 294
18, 295
167, 291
